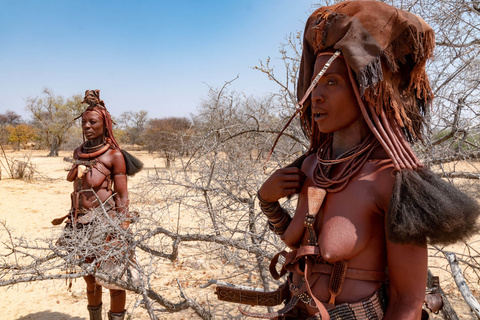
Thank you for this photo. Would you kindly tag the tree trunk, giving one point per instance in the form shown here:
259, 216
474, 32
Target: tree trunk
167, 160
54, 148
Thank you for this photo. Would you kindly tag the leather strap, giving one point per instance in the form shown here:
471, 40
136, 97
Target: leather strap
253, 297
289, 306
292, 257
100, 167
322, 311
355, 274
273, 266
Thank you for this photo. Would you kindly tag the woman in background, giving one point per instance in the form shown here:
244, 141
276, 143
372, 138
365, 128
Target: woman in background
100, 173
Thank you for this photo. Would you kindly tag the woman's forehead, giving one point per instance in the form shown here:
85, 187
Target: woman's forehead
338, 65
91, 114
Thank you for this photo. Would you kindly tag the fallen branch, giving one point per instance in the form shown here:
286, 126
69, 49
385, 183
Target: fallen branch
238, 244
463, 175
462, 285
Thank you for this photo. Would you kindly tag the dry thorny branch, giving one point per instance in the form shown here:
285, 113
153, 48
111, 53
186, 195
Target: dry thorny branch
203, 209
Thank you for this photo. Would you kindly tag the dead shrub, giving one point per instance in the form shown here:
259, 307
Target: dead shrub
23, 169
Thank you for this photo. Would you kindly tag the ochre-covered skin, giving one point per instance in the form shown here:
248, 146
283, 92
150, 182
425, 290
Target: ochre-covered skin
113, 162
351, 223
349, 226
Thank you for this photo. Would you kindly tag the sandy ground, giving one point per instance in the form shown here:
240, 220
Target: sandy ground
28, 207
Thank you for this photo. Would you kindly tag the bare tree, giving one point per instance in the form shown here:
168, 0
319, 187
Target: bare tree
216, 186
286, 99
170, 137
10, 118
54, 116
133, 123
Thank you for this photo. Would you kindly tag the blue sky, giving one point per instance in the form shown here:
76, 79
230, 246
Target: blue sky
149, 55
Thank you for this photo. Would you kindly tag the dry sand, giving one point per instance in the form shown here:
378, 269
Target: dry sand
28, 207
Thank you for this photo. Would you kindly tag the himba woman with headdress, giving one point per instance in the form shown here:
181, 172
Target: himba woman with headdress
367, 207
99, 172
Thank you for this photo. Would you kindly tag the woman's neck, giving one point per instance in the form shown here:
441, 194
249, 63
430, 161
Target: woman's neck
96, 142
347, 138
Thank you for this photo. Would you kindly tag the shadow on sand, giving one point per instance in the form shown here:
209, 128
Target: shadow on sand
49, 315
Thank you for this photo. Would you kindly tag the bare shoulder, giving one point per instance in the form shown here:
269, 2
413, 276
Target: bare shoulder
114, 157
381, 175
115, 153
75, 152
309, 164
117, 161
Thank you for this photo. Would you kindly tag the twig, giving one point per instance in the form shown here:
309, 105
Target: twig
204, 314
11, 240
9, 166
238, 244
43, 278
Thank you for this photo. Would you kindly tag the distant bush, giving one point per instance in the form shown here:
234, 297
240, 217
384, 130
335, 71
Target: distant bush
168, 136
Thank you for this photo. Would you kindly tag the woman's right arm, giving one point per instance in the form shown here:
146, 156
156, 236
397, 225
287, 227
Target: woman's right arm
282, 183
72, 174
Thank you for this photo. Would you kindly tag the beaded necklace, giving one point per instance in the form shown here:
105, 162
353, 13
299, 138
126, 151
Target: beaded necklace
92, 152
354, 159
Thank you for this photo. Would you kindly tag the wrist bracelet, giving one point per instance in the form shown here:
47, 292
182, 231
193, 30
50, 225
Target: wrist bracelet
278, 218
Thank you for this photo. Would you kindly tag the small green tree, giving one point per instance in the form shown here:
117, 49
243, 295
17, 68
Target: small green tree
9, 118
53, 116
21, 135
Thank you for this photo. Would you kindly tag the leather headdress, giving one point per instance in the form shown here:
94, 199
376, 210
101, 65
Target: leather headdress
386, 49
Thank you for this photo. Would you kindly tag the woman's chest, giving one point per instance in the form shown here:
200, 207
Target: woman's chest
97, 175
348, 223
